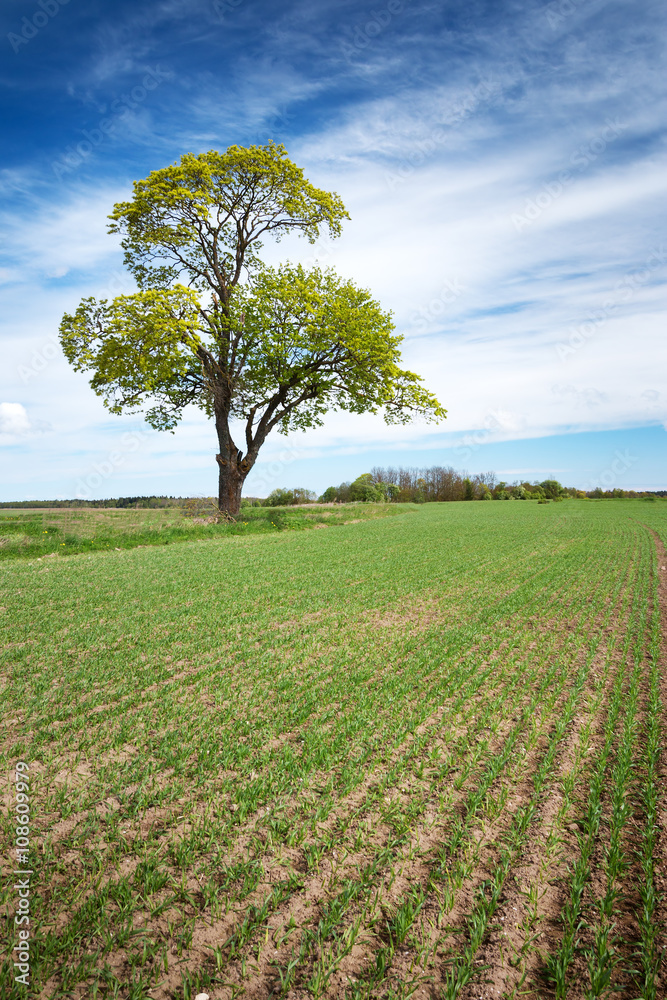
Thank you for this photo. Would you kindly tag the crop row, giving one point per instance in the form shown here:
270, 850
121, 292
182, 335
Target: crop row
301, 812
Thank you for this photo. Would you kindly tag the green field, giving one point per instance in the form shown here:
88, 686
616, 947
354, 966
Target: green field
416, 755
49, 532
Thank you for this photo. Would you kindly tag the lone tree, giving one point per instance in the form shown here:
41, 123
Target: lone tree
211, 326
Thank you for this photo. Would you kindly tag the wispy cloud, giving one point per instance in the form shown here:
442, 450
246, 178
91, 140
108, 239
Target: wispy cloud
49, 238
440, 127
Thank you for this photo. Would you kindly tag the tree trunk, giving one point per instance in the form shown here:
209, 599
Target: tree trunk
230, 484
233, 467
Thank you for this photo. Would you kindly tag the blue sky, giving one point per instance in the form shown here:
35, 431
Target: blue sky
503, 164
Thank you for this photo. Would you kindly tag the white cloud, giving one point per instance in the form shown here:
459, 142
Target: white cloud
16, 425
14, 419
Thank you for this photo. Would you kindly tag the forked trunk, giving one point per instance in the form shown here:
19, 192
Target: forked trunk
233, 467
230, 484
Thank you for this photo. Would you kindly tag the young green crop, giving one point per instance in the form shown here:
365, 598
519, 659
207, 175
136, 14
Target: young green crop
213, 725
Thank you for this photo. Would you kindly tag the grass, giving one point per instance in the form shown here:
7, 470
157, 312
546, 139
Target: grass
322, 761
73, 531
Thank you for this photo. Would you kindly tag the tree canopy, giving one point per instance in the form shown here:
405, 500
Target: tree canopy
206, 216
271, 347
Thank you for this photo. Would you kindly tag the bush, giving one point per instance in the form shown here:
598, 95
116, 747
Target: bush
364, 490
279, 498
552, 488
287, 498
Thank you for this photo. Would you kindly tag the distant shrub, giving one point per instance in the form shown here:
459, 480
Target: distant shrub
336, 494
287, 498
552, 488
364, 490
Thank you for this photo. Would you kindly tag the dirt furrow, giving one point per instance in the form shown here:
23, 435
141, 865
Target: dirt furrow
527, 922
418, 873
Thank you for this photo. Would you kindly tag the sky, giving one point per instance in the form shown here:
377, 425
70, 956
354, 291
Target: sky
503, 165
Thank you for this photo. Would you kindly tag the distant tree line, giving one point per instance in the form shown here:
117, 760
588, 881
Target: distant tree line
438, 484
130, 502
